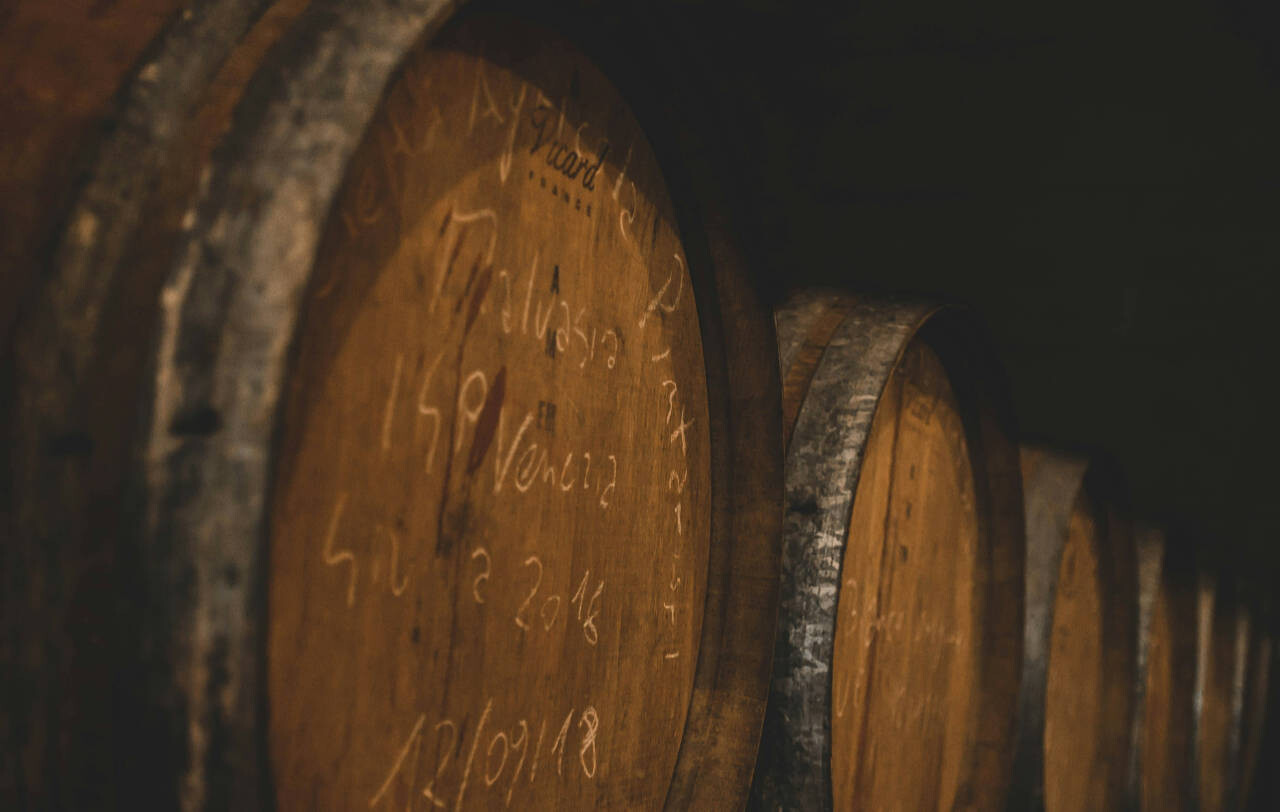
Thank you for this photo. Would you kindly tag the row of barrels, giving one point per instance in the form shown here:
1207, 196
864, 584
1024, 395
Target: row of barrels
1140, 680
1145, 677
394, 423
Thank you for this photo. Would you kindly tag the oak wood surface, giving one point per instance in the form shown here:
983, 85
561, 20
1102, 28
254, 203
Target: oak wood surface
491, 527
1078, 686
1222, 628
1264, 790
1256, 712
113, 147
903, 668
1167, 656
62, 65
1087, 698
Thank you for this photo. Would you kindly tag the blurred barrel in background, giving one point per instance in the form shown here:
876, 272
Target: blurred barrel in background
63, 66
1223, 648
1265, 789
1082, 605
1256, 708
1164, 707
898, 638
114, 110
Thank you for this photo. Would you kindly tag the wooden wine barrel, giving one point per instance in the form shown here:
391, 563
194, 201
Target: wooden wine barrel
458, 474
62, 65
1265, 789
99, 96
895, 673
1223, 643
1256, 712
1164, 710
117, 108
1079, 668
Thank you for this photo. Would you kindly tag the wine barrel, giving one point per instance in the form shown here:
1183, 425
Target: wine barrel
117, 109
63, 64
1257, 687
1265, 789
898, 648
1223, 644
1079, 669
458, 476
1164, 710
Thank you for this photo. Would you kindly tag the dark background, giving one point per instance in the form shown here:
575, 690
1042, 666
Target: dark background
1100, 181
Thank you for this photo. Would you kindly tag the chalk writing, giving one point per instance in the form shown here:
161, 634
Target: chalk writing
621, 184
591, 722
676, 426
425, 410
656, 303
928, 629
482, 100
445, 751
480, 416
334, 557
552, 321
498, 749
480, 552
397, 589
589, 630
460, 226
525, 462
536, 563
550, 606
679, 427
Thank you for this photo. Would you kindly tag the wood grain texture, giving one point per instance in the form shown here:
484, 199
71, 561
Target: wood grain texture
1048, 514
903, 667
1083, 577
1164, 706
62, 65
1222, 627
678, 334
1255, 710
1265, 790
892, 686
78, 358
497, 424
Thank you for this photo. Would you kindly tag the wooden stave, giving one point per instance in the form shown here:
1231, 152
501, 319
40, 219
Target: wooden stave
66, 403
1161, 779
1149, 544
1223, 624
721, 732
1059, 486
830, 340
59, 110
718, 754
1049, 515
1265, 791
1257, 708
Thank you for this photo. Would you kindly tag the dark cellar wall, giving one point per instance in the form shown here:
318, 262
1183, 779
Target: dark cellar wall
1100, 181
